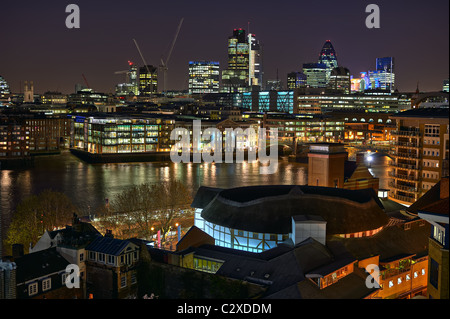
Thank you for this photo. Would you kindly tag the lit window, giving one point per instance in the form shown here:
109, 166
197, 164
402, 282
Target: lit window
408, 277
399, 280
391, 283
423, 271
32, 289
46, 284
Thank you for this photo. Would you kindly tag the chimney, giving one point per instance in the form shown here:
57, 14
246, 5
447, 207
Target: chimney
109, 233
17, 250
359, 158
443, 188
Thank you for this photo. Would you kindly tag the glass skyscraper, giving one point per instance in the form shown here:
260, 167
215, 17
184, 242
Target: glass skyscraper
244, 63
328, 58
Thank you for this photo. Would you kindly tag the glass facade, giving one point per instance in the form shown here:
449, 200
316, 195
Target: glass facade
238, 239
316, 75
121, 135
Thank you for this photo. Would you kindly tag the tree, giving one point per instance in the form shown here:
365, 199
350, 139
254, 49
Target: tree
172, 200
134, 211
38, 213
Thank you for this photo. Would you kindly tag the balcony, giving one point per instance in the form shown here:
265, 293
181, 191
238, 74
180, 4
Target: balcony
406, 155
404, 188
409, 178
407, 144
407, 166
404, 198
406, 132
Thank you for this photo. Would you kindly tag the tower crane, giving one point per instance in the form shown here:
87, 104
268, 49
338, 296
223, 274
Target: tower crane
164, 65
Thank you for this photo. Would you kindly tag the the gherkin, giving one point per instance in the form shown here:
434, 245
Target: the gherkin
328, 57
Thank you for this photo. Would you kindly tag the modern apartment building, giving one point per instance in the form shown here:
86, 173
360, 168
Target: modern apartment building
419, 153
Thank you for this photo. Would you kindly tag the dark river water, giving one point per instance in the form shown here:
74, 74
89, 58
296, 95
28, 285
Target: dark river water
88, 185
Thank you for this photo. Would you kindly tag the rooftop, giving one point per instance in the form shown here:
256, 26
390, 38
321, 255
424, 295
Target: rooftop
272, 206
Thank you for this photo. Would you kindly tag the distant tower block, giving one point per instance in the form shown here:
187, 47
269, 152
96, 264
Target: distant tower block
326, 164
28, 92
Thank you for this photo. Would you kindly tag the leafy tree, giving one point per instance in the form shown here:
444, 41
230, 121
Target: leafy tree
36, 214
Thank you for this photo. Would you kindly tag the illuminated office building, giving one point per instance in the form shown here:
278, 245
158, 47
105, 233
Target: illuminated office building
340, 80
445, 86
4, 87
244, 63
148, 80
328, 58
115, 134
296, 80
383, 78
316, 74
203, 77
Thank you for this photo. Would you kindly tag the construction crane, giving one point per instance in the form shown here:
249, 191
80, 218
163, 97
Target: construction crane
145, 63
164, 65
85, 81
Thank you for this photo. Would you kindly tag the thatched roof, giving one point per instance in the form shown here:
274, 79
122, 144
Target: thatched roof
269, 209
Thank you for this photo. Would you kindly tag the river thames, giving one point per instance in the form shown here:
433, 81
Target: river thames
89, 185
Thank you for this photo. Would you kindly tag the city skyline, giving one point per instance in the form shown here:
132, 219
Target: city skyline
41, 49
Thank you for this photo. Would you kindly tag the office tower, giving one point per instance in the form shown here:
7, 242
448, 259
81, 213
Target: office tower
133, 78
244, 63
148, 80
203, 77
131, 85
383, 78
445, 86
316, 75
255, 62
340, 80
4, 87
328, 58
296, 80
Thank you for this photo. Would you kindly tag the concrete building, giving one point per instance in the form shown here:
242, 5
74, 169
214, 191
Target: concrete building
421, 153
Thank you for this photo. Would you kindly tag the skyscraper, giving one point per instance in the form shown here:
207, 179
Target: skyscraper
131, 86
340, 80
328, 58
203, 77
383, 78
316, 74
296, 80
4, 87
148, 80
244, 63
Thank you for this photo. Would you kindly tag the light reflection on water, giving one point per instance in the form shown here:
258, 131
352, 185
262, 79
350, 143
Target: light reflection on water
88, 185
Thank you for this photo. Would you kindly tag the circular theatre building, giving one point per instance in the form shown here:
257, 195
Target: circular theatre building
257, 218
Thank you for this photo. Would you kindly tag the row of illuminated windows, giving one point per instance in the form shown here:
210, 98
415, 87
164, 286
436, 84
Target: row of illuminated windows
206, 265
407, 277
128, 149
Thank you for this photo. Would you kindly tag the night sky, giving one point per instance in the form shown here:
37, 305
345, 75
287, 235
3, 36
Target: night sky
37, 46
